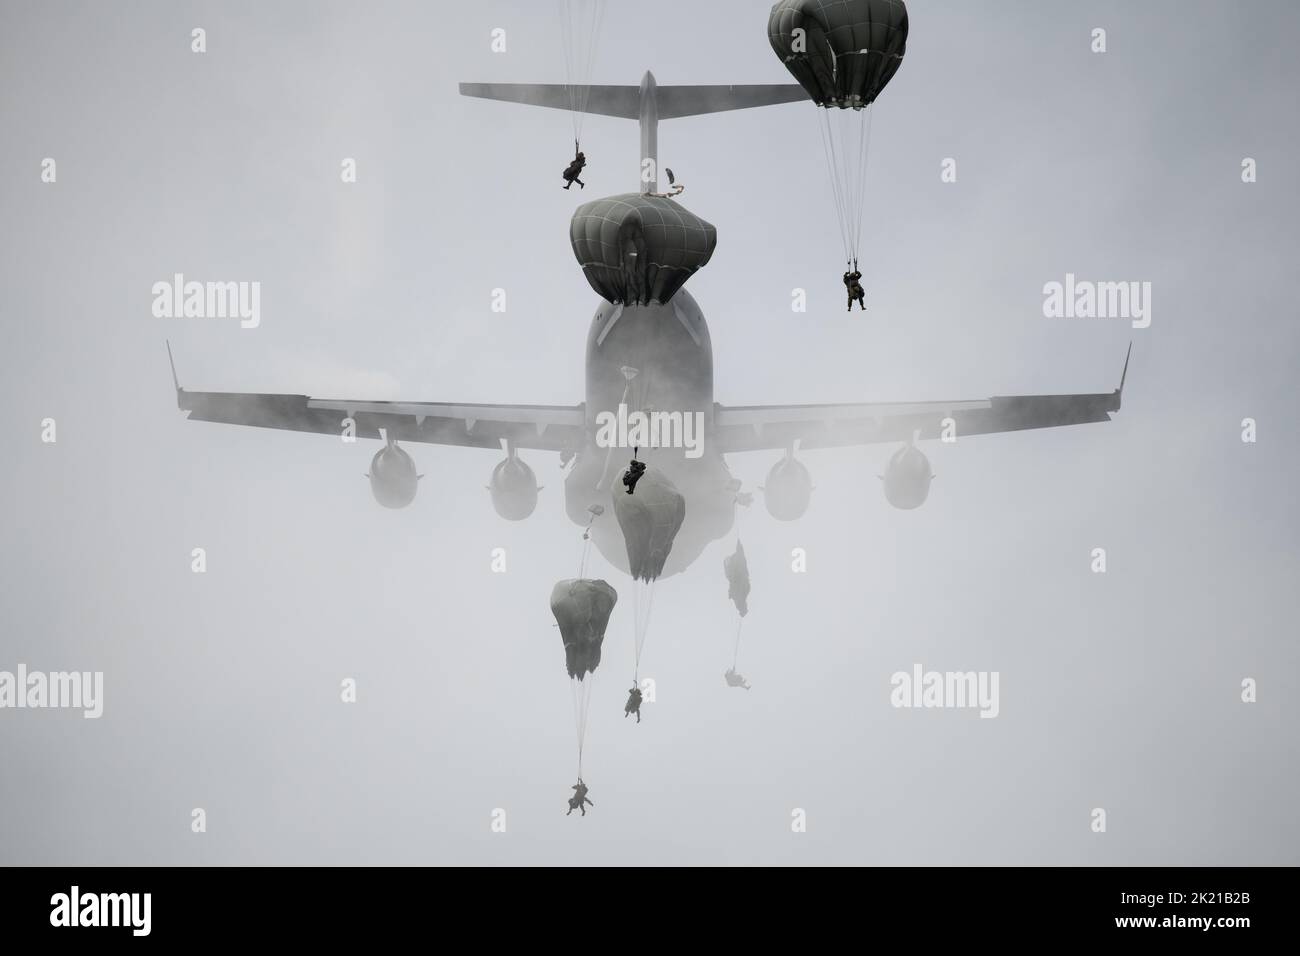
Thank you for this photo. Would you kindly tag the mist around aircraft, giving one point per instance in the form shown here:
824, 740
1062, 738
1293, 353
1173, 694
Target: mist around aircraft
649, 355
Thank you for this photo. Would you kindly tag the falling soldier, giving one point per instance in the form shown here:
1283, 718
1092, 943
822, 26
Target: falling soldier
635, 470
574, 170
579, 798
633, 705
736, 680
853, 284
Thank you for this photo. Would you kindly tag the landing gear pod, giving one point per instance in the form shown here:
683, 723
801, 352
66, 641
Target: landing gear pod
788, 489
514, 489
907, 478
393, 480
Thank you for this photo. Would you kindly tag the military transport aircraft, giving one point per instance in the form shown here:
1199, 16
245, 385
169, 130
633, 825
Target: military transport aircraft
648, 354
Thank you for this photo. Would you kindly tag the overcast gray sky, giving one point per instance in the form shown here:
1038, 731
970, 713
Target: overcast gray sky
1119, 691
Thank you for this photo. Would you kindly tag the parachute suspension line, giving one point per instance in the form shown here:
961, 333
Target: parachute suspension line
636, 631
832, 173
566, 44
580, 26
642, 616
641, 405
586, 709
575, 692
864, 153
581, 690
591, 53
846, 140
586, 550
636, 621
735, 654
609, 452
844, 174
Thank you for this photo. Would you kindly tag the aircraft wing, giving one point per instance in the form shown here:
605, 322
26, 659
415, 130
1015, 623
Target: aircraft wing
757, 427
544, 427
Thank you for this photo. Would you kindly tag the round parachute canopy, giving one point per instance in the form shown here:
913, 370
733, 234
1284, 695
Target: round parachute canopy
842, 52
907, 478
650, 519
637, 249
737, 570
582, 607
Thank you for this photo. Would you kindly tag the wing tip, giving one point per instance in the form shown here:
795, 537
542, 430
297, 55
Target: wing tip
172, 362
1123, 377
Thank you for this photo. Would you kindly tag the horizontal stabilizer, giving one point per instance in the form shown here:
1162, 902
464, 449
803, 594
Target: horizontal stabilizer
624, 101
677, 101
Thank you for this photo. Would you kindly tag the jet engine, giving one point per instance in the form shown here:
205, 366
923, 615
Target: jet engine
514, 489
907, 478
393, 480
788, 489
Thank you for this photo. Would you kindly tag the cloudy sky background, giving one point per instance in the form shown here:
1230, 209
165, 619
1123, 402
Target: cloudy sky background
222, 690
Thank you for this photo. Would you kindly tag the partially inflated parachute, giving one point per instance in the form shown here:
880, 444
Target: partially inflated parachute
637, 249
650, 519
737, 570
582, 607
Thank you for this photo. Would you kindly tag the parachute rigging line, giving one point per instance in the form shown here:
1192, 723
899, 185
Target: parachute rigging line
581, 689
580, 26
828, 150
609, 452
641, 624
864, 152
846, 163
586, 549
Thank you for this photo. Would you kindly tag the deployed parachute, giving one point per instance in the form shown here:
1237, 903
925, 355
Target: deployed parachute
843, 52
848, 50
582, 607
737, 570
636, 249
579, 30
649, 519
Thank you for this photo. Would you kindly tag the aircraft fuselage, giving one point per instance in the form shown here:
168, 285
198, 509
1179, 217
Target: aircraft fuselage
669, 348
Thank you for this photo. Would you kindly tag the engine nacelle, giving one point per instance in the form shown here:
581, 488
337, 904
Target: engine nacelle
788, 490
393, 480
514, 489
907, 478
